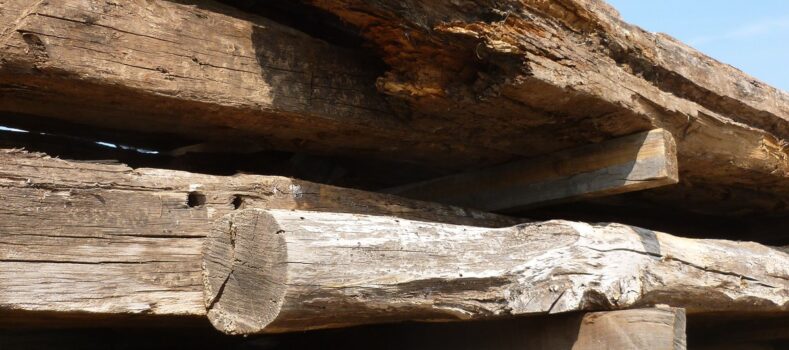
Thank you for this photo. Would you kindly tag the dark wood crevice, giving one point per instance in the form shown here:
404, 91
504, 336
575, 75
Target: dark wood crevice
143, 150
764, 228
704, 332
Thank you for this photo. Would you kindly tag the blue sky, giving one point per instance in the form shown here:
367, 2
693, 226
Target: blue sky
752, 35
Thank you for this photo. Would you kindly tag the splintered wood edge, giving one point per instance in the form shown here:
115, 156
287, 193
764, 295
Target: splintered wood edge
244, 272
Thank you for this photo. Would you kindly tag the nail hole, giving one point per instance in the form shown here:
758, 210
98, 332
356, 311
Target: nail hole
195, 199
237, 201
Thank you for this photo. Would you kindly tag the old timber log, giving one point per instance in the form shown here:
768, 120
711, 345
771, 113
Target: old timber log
279, 271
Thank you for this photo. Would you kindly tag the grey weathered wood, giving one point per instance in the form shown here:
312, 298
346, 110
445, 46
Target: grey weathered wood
631, 163
97, 239
78, 237
102, 240
278, 271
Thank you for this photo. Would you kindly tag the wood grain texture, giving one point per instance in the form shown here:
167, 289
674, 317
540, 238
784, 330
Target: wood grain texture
99, 239
657, 328
474, 83
279, 271
631, 163
203, 71
96, 238
544, 76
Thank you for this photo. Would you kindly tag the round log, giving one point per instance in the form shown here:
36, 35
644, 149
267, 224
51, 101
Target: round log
282, 270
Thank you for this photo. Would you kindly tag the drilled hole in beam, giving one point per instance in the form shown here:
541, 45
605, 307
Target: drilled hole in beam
238, 201
195, 199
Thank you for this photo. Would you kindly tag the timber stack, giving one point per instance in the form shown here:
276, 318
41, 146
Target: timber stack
471, 174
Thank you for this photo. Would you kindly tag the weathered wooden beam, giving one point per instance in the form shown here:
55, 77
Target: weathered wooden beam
477, 92
631, 163
279, 271
95, 241
107, 239
548, 75
204, 71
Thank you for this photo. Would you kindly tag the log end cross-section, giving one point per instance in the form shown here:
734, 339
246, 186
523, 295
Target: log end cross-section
244, 272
